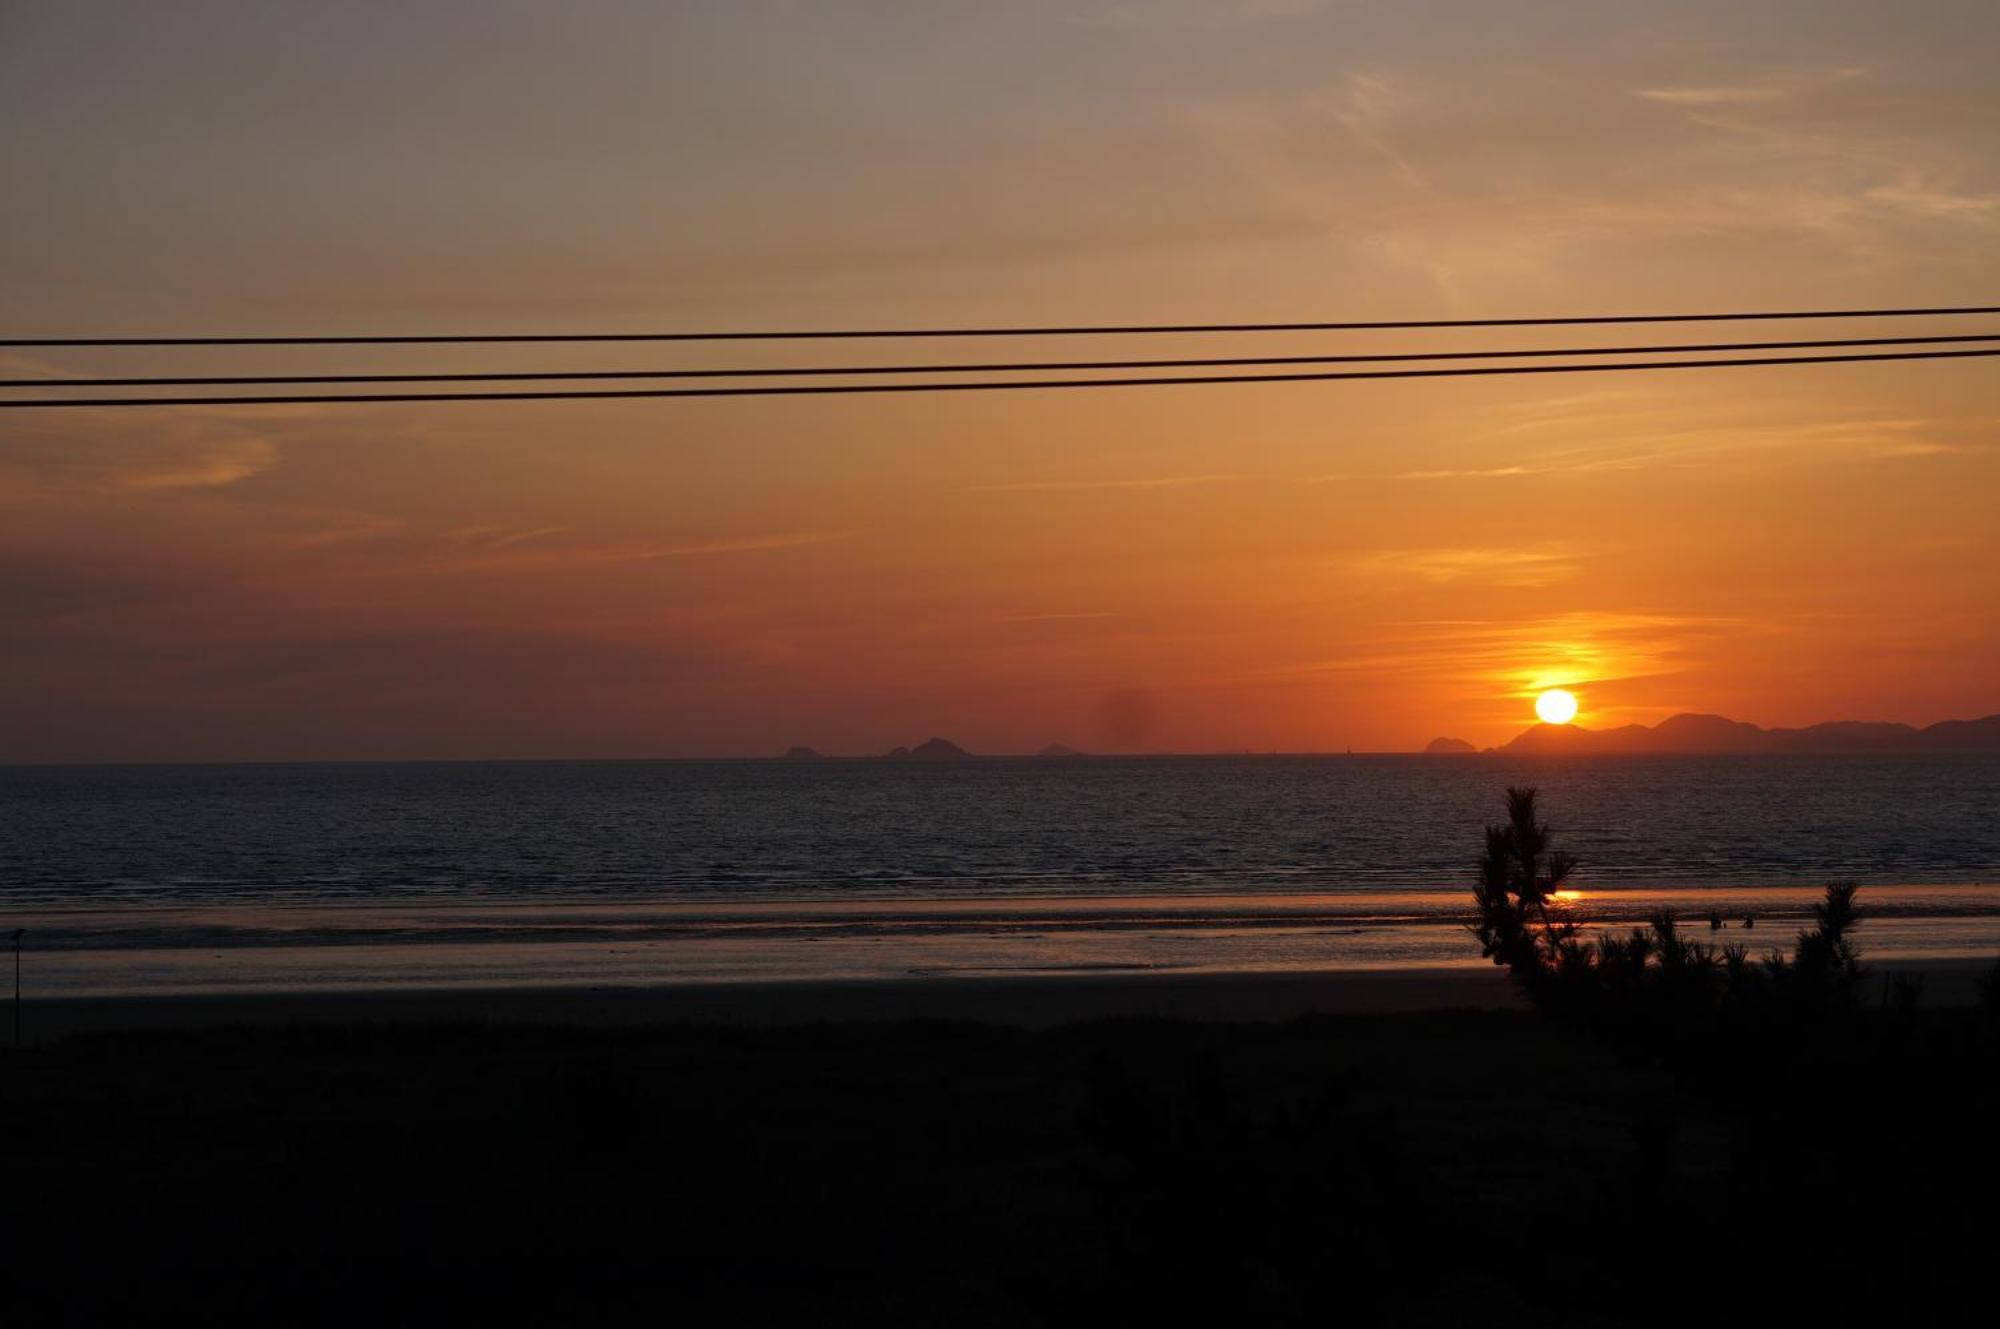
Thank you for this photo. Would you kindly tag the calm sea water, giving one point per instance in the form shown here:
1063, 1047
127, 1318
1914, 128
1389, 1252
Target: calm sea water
634, 832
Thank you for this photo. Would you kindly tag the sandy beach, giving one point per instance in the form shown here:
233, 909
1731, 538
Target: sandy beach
1018, 960
1036, 1002
995, 1111
1032, 1002
426, 1157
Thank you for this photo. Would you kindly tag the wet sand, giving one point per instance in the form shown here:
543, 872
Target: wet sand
450, 1157
1022, 960
1031, 1002
1023, 1002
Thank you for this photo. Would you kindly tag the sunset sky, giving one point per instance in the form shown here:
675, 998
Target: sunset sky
1295, 567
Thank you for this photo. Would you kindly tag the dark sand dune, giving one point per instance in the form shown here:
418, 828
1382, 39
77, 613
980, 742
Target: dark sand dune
1428, 1168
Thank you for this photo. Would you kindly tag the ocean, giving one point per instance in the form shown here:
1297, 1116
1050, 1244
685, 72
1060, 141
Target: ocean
221, 877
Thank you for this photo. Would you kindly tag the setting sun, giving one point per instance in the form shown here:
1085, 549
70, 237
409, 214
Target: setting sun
1556, 706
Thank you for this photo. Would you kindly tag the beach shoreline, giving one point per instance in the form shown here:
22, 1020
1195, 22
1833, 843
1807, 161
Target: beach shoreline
1025, 1001
1021, 1001
745, 959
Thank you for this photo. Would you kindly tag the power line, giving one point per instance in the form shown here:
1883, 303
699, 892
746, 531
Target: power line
988, 385
1043, 366
1139, 329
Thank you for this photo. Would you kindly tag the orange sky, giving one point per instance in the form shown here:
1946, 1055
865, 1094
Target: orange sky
1299, 567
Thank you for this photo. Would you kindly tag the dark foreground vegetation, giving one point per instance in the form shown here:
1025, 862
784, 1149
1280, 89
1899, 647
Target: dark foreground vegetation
1678, 1135
1864, 1130
1490, 1168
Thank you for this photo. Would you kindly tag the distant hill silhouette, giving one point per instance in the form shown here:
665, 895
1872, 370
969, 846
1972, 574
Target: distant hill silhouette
804, 754
1449, 747
931, 749
1713, 735
1058, 750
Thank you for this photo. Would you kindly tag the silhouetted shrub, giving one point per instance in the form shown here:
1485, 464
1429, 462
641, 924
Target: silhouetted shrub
1837, 1107
1518, 876
1655, 987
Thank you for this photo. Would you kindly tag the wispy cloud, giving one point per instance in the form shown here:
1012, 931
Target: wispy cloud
1922, 196
748, 544
1169, 15
76, 454
1072, 617
218, 462
343, 531
1519, 656
1741, 95
1367, 107
1827, 160
1139, 482
1769, 439
1490, 473
1625, 435
1410, 173
541, 548
492, 537
1540, 566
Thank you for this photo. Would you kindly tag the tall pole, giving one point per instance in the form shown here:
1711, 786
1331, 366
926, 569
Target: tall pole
17, 985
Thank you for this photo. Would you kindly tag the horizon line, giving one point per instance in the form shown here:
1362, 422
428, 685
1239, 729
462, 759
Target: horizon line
963, 754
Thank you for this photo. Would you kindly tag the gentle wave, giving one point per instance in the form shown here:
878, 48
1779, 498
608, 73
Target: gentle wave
661, 831
99, 950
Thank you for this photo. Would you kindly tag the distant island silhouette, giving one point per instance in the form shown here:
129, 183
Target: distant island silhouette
931, 749
1687, 734
1715, 735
